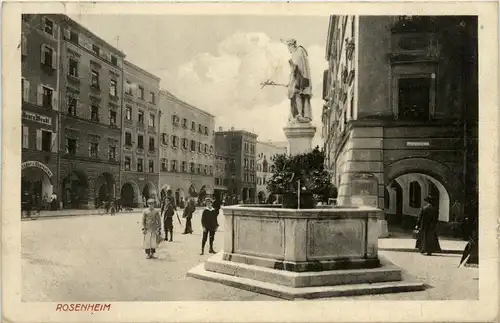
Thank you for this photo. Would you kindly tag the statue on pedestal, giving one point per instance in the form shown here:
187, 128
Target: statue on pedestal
299, 85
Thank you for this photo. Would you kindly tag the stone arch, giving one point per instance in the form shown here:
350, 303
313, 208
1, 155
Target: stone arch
262, 197
75, 189
149, 191
104, 188
440, 175
163, 190
129, 194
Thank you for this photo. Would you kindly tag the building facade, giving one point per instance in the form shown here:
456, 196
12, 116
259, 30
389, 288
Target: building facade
266, 152
401, 110
241, 177
222, 173
91, 77
186, 149
140, 164
40, 106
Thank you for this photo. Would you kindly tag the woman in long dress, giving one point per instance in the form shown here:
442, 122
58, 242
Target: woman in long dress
427, 238
151, 228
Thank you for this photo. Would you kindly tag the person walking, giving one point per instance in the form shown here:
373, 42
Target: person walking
151, 229
209, 224
168, 210
188, 215
427, 238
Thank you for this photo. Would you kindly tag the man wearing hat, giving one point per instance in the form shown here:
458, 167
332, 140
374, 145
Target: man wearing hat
209, 224
168, 210
151, 228
427, 238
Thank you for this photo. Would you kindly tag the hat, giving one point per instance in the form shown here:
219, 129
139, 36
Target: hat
209, 198
429, 199
151, 201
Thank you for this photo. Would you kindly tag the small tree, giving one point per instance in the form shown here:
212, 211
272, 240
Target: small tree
309, 169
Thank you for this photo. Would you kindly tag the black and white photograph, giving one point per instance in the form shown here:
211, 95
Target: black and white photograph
274, 158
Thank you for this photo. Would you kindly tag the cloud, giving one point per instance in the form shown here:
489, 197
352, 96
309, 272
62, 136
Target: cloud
227, 83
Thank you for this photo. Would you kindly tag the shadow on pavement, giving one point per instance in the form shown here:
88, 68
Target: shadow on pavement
452, 252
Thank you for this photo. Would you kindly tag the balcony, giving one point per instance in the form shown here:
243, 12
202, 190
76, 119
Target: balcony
95, 87
75, 79
113, 97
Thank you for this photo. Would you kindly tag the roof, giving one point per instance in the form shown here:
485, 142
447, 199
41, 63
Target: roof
172, 97
128, 63
236, 132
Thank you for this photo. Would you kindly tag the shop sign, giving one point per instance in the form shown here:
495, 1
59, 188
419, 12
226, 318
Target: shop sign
37, 118
417, 144
37, 164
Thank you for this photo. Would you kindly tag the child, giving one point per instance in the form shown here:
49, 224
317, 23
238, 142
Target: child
151, 228
209, 224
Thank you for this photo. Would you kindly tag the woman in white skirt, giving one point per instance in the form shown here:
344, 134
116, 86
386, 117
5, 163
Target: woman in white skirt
151, 228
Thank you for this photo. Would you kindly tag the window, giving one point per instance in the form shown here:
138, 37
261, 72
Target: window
184, 167
73, 67
94, 113
193, 125
128, 112
164, 165
141, 92
175, 141
94, 149
175, 120
199, 148
164, 139
113, 90
211, 150
94, 79
48, 56
48, 26
206, 131
25, 86
151, 144
72, 104
151, 166
47, 97
185, 144
152, 94
128, 139
415, 195
128, 163
74, 37
414, 98
200, 128
114, 60
112, 118
174, 165
140, 141
152, 120
25, 134
198, 168
191, 167
96, 50
184, 123
264, 166
128, 87
206, 148
112, 153
140, 165
193, 145
140, 117
71, 146
211, 170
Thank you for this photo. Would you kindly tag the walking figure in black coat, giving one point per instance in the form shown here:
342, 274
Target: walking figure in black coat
427, 238
209, 224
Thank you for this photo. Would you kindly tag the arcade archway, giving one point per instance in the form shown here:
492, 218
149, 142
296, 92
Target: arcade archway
75, 190
149, 192
262, 197
129, 194
36, 186
104, 189
192, 191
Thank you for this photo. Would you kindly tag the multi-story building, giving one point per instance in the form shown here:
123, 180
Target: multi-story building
222, 168
140, 136
40, 106
241, 159
401, 111
266, 152
91, 77
186, 148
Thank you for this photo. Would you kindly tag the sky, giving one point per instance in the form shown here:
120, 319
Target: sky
217, 63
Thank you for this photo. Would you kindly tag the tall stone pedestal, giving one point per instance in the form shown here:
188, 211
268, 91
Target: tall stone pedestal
300, 136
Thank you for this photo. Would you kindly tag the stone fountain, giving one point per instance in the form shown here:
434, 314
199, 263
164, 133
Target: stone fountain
303, 253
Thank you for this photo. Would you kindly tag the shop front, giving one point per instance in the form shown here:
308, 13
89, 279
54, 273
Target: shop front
37, 183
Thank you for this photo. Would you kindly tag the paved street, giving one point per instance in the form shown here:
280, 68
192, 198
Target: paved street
99, 258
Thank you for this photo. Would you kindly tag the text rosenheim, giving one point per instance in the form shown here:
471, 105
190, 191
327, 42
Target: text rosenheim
82, 307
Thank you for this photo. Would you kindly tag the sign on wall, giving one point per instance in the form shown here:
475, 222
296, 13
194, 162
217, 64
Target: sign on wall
364, 189
37, 118
37, 164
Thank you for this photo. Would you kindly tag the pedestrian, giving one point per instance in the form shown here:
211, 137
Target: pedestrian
427, 238
53, 201
151, 229
188, 215
217, 204
209, 224
182, 204
168, 210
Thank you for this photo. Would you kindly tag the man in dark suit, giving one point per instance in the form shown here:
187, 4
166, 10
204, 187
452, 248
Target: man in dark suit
168, 210
209, 224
